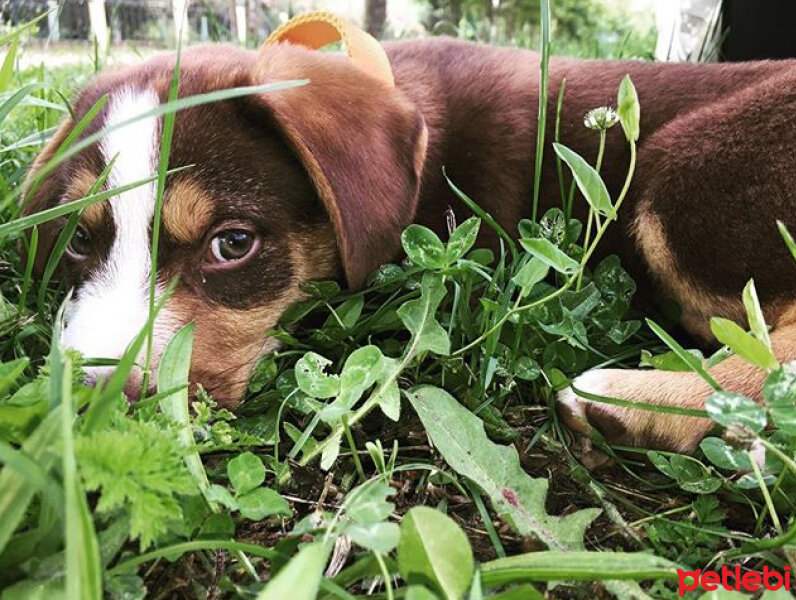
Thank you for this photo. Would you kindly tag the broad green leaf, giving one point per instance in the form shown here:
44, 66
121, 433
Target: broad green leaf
36, 590
360, 371
687, 357
10, 372
589, 182
331, 451
258, 504
550, 254
462, 239
173, 370
368, 503
583, 566
9, 62
246, 472
388, 396
16, 490
724, 456
628, 108
423, 247
728, 408
323, 290
419, 318
301, 578
744, 345
82, 555
780, 594
520, 592
526, 368
434, 551
311, 378
347, 314
519, 499
418, 592
666, 361
476, 588
779, 392
754, 314
690, 474
220, 495
787, 238
531, 273
721, 594
389, 400
378, 537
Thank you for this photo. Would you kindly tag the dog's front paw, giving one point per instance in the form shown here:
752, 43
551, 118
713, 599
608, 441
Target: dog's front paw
577, 412
637, 427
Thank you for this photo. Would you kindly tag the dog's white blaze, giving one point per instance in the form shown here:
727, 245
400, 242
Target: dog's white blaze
113, 306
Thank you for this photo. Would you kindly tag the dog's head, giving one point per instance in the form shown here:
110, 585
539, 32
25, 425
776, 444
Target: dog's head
312, 182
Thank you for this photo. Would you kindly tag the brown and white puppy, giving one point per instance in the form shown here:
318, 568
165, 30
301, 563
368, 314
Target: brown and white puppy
319, 181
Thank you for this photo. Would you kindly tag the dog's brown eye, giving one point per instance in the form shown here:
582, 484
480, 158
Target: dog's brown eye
232, 245
80, 245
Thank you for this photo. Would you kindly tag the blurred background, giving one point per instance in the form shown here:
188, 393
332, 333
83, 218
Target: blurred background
696, 30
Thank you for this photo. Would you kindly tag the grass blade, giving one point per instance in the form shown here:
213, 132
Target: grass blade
7, 70
18, 225
581, 566
692, 361
173, 373
162, 109
17, 491
788, 238
17, 97
83, 567
63, 240
33, 248
163, 165
541, 123
757, 322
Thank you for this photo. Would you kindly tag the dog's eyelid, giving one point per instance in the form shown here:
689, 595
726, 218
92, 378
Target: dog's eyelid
237, 224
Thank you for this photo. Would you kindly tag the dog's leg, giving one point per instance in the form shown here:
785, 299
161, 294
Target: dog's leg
650, 429
713, 185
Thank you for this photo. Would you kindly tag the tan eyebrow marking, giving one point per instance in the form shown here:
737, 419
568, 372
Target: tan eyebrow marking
187, 211
79, 187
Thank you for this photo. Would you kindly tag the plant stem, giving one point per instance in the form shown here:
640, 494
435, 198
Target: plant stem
385, 574
586, 239
369, 404
764, 490
559, 164
354, 453
782, 539
592, 215
177, 549
567, 284
544, 59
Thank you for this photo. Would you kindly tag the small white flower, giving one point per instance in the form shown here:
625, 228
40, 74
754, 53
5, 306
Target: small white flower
601, 118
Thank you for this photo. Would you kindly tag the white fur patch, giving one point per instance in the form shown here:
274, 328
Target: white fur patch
594, 382
112, 307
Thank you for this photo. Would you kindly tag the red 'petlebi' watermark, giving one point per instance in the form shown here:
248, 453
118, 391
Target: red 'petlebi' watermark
751, 581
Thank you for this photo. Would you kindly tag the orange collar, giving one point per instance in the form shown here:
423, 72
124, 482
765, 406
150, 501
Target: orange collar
317, 29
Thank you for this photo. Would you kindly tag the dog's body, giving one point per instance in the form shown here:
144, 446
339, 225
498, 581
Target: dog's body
324, 178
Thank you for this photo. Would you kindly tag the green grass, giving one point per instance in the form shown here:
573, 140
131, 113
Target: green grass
402, 443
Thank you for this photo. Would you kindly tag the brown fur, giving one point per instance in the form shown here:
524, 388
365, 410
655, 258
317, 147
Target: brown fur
359, 160
187, 211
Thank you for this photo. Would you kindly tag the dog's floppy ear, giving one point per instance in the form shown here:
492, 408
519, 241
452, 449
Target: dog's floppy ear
361, 141
42, 193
